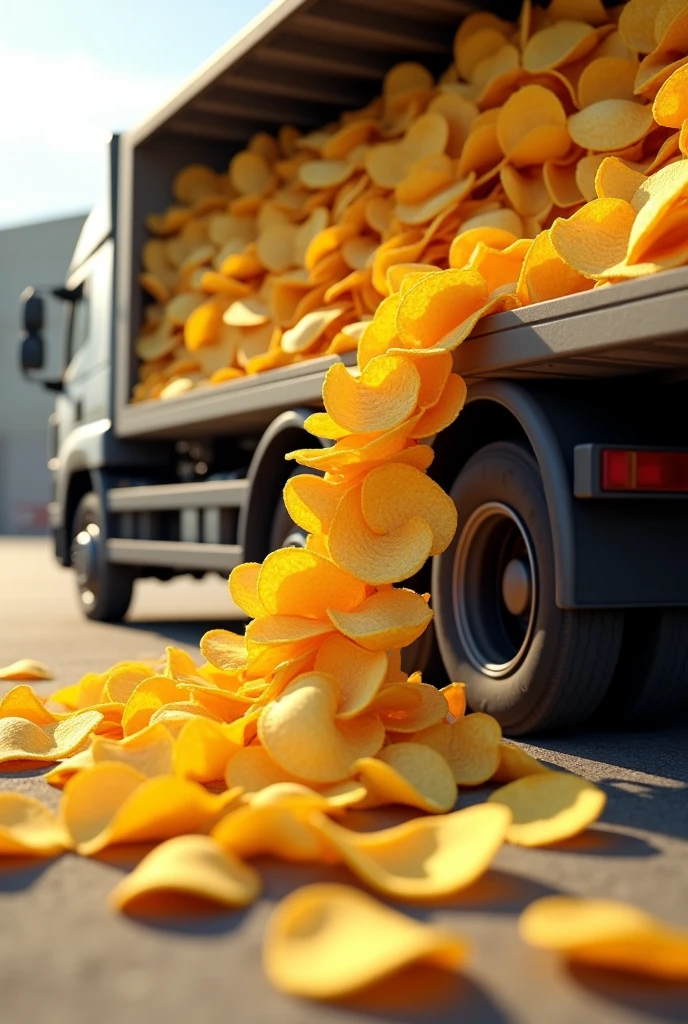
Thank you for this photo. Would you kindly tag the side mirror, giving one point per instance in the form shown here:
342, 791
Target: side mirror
32, 312
32, 352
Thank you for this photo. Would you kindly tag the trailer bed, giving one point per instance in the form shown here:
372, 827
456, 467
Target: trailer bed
635, 327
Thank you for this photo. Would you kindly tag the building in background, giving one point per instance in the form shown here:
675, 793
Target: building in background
33, 254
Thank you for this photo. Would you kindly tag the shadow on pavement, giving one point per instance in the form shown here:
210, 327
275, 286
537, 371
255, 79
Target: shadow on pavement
184, 915
600, 843
18, 873
188, 631
667, 1001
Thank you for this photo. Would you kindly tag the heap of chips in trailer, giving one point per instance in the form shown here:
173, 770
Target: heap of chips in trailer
530, 162
264, 746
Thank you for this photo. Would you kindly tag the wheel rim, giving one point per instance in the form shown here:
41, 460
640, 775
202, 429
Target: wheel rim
494, 589
85, 556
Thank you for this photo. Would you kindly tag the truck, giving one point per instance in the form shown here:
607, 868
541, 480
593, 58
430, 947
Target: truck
563, 598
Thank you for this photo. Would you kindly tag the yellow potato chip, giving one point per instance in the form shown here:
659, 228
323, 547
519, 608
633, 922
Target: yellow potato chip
193, 182
293, 581
250, 173
559, 44
202, 750
531, 127
412, 774
472, 49
112, 803
526, 190
224, 650
248, 312
300, 732
637, 24
372, 557
278, 630
203, 325
653, 203
318, 174
500, 268
180, 307
382, 397
279, 828
243, 588
149, 751
448, 198
223, 705
393, 494
122, 680
610, 125
23, 740
310, 928
616, 180
443, 413
155, 286
514, 764
149, 696
388, 619
425, 858
29, 828
595, 239
276, 247
409, 707
471, 746
187, 866
359, 673
561, 181
607, 78
252, 769
545, 275
437, 305
22, 702
464, 244
549, 807
308, 330
670, 106
311, 501
607, 934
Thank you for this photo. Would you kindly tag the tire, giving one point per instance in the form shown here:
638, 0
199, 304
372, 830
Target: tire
104, 590
651, 679
284, 533
535, 667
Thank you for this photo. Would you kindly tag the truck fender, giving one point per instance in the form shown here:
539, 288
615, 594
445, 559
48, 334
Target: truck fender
267, 474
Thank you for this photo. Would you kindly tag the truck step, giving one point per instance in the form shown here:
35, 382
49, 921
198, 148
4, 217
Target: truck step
163, 497
185, 556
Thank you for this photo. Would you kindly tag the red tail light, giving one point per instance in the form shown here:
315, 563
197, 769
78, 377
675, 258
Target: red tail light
642, 470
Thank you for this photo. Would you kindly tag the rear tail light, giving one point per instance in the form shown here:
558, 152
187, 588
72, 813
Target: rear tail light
644, 471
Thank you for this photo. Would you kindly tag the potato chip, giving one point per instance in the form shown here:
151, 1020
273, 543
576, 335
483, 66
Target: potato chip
426, 858
184, 866
202, 751
549, 807
224, 650
561, 181
149, 696
29, 828
388, 619
412, 774
526, 190
295, 581
308, 330
23, 740
545, 275
596, 238
606, 934
280, 828
670, 107
249, 173
500, 268
149, 751
441, 415
393, 494
112, 803
616, 180
431, 207
653, 202
471, 747
607, 78
243, 588
409, 707
310, 928
610, 125
559, 44
359, 673
382, 397
464, 244
637, 24
300, 733
372, 557
437, 305
22, 702
278, 630
514, 764
531, 127
252, 769
122, 680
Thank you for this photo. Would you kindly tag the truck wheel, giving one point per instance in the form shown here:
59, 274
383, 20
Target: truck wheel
530, 664
104, 589
284, 532
651, 679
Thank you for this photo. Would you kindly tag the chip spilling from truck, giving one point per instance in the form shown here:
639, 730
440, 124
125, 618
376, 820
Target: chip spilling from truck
300, 322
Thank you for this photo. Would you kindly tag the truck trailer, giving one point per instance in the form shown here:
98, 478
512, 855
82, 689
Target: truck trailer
563, 598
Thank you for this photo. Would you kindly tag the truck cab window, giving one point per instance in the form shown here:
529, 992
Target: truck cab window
79, 325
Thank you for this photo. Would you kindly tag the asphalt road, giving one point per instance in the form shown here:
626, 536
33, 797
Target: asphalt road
64, 957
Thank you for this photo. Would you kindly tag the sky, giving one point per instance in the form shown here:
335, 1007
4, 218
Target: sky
73, 71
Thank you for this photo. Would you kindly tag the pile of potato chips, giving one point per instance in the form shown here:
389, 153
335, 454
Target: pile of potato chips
533, 162
265, 746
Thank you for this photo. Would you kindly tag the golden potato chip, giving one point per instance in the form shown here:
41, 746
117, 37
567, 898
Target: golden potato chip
280, 827
616, 180
500, 267
158, 343
471, 746
425, 858
29, 828
526, 190
607, 78
412, 774
559, 44
224, 650
463, 245
112, 803
293, 581
545, 275
606, 934
443, 413
359, 673
121, 681
531, 127
409, 707
155, 286
252, 769
248, 312
431, 207
311, 501
561, 181
250, 173
149, 751
372, 557
23, 740
405, 76
596, 238
310, 928
192, 865
670, 106
393, 494
300, 732
455, 696
514, 764
637, 24
204, 324
653, 202
284, 630
610, 125
202, 750
438, 304
243, 588
222, 705
382, 397
549, 807
308, 330
22, 702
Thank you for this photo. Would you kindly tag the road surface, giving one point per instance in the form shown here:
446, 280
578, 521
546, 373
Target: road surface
64, 957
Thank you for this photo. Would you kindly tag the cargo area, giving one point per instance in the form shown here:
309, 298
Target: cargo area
303, 63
